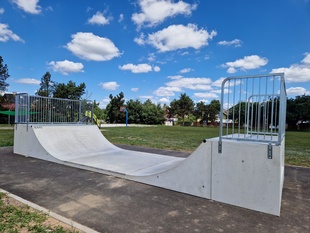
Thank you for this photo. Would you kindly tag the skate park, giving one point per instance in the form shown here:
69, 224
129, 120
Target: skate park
135, 188
221, 169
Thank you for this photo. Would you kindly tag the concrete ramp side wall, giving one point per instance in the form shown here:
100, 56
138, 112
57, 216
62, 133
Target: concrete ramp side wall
192, 176
27, 144
242, 175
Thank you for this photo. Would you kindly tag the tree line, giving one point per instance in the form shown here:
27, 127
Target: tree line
183, 108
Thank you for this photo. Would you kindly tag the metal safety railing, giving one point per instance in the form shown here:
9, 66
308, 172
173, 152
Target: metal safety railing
253, 108
46, 110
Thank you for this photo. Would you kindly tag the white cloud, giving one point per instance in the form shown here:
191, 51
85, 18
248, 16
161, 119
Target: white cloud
247, 63
191, 83
177, 37
30, 81
206, 95
297, 91
134, 89
235, 42
109, 85
29, 6
179, 83
1, 11
88, 46
6, 34
151, 57
154, 12
218, 82
140, 40
65, 67
146, 97
139, 68
98, 18
164, 100
186, 70
167, 91
296, 72
156, 68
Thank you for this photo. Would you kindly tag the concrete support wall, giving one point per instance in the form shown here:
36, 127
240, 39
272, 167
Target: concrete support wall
242, 175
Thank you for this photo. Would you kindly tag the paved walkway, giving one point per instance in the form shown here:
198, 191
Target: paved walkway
109, 204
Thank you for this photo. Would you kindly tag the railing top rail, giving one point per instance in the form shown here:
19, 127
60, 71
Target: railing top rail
238, 99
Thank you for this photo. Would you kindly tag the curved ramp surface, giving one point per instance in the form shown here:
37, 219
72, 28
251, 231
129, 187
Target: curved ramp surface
85, 147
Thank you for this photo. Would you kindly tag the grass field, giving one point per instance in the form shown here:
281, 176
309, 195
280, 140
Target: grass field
297, 151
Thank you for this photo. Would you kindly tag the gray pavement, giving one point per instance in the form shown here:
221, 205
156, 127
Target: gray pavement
108, 204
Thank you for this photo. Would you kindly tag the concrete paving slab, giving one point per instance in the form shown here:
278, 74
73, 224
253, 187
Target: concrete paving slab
109, 204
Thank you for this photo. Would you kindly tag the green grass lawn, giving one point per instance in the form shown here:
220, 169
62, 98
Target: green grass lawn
161, 137
297, 150
297, 144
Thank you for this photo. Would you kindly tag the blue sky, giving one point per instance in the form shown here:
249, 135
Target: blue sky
154, 49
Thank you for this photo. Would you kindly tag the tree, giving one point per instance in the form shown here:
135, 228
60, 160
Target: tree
134, 108
47, 86
200, 111
298, 110
213, 110
4, 75
114, 115
182, 107
69, 90
152, 114
100, 113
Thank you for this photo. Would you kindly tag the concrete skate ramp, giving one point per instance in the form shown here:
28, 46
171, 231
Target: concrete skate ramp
85, 147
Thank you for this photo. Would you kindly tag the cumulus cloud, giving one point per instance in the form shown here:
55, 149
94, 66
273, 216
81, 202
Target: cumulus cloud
146, 97
30, 81
29, 6
206, 95
164, 100
191, 83
186, 70
296, 72
154, 12
246, 63
99, 19
297, 91
134, 89
140, 40
235, 42
109, 85
177, 37
179, 83
156, 68
66, 67
218, 82
167, 91
88, 46
6, 34
139, 68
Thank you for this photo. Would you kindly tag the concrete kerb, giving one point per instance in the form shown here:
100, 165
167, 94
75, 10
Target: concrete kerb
60, 218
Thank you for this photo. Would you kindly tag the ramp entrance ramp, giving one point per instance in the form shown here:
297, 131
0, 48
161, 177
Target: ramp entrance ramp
244, 166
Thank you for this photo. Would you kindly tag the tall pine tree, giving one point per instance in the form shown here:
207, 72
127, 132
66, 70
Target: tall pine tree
4, 75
